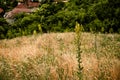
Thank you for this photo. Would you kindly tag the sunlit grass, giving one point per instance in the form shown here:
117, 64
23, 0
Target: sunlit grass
53, 57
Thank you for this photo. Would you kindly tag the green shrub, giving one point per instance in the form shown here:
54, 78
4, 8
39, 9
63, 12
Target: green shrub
4, 26
78, 30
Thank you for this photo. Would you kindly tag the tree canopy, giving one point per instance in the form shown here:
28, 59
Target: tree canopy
95, 15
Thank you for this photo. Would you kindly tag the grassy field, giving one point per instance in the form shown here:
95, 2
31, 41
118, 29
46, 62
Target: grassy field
53, 57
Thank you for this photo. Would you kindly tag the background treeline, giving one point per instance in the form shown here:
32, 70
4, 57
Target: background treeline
95, 15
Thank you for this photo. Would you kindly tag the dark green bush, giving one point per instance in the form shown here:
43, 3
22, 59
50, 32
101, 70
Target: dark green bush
4, 26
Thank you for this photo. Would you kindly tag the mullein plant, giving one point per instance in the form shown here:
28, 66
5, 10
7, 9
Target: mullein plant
78, 32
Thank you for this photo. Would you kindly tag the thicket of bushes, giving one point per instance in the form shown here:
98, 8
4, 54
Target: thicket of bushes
97, 16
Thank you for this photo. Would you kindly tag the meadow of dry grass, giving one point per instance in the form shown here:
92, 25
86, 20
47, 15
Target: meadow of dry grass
53, 57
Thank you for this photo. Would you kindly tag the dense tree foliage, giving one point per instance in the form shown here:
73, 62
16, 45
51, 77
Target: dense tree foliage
94, 15
4, 26
8, 4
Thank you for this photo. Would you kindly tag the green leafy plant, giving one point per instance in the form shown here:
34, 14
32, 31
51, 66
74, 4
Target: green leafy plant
78, 30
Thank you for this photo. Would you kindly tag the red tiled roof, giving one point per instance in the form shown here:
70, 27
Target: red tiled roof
24, 8
19, 10
21, 7
15, 11
33, 4
1, 10
30, 5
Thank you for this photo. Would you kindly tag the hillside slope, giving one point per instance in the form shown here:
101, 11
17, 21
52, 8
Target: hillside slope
53, 56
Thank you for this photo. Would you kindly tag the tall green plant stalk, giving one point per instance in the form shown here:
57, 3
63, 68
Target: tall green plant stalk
95, 44
78, 31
